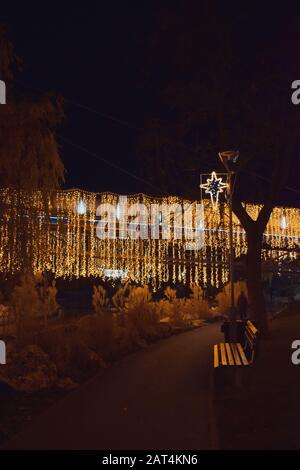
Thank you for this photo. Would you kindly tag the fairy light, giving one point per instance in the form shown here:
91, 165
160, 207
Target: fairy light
81, 207
63, 240
283, 222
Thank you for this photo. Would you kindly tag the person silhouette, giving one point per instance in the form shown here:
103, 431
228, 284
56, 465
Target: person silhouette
242, 305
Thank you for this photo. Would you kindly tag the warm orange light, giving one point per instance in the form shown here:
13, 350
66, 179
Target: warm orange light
63, 240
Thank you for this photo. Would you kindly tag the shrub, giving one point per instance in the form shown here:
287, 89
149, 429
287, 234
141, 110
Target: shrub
141, 313
199, 306
99, 299
97, 332
26, 305
77, 349
120, 298
223, 298
173, 308
30, 301
170, 294
56, 342
49, 305
182, 311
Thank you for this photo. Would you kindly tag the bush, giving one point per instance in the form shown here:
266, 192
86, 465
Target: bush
199, 306
57, 343
29, 370
223, 298
49, 305
120, 298
26, 305
141, 313
97, 332
99, 299
78, 349
181, 312
32, 300
173, 309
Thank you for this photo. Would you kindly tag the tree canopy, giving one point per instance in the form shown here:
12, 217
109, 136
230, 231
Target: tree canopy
217, 85
29, 153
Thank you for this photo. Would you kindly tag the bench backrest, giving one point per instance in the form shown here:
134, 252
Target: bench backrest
251, 340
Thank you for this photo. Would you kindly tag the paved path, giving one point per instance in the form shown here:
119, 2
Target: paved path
154, 399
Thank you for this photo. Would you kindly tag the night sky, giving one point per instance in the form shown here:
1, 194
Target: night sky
94, 55
89, 55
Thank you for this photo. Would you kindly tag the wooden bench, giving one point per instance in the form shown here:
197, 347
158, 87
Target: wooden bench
237, 354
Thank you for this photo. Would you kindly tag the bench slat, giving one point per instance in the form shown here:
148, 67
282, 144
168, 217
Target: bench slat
251, 334
249, 340
223, 354
229, 354
242, 354
252, 327
236, 354
216, 356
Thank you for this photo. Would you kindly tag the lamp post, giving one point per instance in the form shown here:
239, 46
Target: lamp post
228, 159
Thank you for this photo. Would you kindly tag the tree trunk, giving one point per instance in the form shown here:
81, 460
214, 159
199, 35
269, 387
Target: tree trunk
254, 279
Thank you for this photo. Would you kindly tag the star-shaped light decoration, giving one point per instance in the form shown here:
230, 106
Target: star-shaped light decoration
214, 186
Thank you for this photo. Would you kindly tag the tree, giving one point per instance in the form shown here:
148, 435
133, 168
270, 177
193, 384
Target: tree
223, 87
29, 154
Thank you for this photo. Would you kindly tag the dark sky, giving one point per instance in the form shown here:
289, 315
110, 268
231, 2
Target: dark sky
90, 55
93, 54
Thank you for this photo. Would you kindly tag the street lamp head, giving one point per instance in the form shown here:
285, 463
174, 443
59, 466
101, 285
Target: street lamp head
229, 158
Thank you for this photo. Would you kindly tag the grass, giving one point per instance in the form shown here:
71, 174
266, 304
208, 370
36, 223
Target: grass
264, 412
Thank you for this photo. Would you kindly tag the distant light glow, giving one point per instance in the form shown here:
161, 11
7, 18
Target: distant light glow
81, 208
115, 273
283, 222
118, 211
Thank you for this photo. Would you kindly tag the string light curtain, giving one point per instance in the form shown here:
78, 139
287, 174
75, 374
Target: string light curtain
55, 231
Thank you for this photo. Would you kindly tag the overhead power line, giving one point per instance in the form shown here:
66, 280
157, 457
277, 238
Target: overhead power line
136, 128
109, 163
